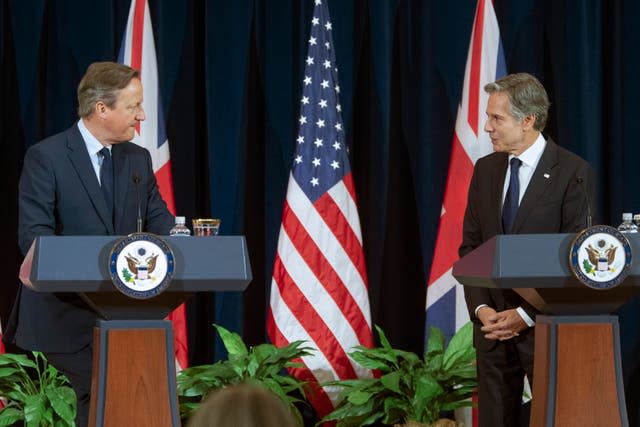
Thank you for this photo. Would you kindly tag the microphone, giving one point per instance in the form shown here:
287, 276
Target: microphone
136, 180
580, 182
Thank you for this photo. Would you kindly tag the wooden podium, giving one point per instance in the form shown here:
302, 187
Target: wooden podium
577, 366
134, 370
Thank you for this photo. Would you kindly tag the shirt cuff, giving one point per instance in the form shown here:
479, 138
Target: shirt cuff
525, 317
479, 307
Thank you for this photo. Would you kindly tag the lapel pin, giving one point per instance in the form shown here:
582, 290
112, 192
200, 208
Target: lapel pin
546, 175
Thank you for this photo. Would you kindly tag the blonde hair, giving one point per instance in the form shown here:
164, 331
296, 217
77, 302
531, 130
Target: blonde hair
243, 405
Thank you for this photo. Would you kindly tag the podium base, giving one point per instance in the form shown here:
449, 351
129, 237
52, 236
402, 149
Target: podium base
577, 373
134, 374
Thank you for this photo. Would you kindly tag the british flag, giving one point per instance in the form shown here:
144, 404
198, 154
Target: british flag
446, 307
138, 50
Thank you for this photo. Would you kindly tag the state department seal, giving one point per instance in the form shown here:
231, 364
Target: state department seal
141, 265
600, 257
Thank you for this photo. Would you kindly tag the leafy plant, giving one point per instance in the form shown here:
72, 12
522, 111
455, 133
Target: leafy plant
261, 365
36, 392
409, 389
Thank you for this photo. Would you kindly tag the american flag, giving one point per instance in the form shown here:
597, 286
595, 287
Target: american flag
446, 307
319, 285
138, 50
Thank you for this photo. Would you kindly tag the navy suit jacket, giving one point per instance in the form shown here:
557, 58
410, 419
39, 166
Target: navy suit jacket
553, 202
59, 194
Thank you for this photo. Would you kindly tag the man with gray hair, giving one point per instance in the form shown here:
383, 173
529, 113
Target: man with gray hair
528, 185
81, 182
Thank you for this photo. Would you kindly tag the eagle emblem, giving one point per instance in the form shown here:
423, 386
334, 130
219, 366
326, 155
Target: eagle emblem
601, 259
141, 265
141, 269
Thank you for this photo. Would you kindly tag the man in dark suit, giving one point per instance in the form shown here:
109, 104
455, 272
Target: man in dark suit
528, 185
84, 181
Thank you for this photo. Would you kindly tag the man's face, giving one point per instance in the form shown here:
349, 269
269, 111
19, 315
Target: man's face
507, 133
121, 120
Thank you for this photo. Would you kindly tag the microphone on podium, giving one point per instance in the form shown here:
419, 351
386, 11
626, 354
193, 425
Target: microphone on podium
580, 181
136, 180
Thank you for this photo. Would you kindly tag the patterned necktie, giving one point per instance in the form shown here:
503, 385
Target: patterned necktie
106, 179
510, 207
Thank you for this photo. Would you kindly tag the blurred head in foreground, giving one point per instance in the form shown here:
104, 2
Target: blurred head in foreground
243, 405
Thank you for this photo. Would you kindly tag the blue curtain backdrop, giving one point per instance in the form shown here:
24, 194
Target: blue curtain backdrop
230, 75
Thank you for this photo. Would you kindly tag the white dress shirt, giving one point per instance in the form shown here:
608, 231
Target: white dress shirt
93, 147
530, 159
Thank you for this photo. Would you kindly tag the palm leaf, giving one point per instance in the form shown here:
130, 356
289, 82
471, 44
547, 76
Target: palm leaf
264, 365
36, 392
410, 387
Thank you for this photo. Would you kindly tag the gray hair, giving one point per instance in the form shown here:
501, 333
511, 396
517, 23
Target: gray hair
526, 97
103, 81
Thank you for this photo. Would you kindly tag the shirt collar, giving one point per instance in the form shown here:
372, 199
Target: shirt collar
92, 143
531, 155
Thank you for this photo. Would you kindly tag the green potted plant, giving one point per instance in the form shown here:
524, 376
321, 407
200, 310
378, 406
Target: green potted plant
262, 365
36, 393
409, 390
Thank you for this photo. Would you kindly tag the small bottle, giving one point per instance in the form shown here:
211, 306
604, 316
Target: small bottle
627, 225
180, 229
636, 219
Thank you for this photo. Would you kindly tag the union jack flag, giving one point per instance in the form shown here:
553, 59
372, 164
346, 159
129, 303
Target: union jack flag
446, 307
319, 284
138, 50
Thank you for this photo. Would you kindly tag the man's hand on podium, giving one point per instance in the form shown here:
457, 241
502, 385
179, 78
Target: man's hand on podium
25, 268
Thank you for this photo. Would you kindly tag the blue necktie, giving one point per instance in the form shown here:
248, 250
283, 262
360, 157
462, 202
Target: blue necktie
106, 179
510, 207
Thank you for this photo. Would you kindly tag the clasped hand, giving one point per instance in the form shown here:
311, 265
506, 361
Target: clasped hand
501, 325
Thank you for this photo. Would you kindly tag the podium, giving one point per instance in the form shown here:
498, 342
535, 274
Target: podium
577, 362
134, 371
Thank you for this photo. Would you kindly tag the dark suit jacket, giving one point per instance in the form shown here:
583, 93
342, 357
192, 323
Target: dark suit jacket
554, 202
60, 194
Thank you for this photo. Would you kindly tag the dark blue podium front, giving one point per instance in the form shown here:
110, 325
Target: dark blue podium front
577, 368
133, 362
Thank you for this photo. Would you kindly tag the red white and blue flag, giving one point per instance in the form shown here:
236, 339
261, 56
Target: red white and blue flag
446, 307
138, 50
319, 284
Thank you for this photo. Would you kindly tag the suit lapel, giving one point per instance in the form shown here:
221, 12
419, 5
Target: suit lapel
79, 157
122, 179
540, 181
